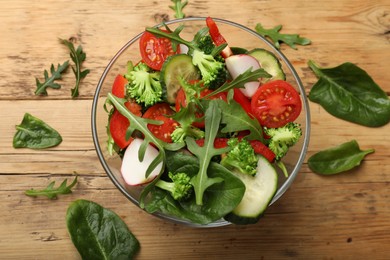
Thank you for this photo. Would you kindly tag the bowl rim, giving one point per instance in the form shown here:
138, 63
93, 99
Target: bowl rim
282, 189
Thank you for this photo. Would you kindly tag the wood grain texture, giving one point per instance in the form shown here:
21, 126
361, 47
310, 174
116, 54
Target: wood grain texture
338, 217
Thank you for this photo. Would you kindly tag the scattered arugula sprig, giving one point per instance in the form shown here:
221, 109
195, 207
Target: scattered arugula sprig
51, 192
178, 7
78, 56
50, 81
277, 37
204, 153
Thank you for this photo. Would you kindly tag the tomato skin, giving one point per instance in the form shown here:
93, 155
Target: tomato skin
160, 111
245, 102
181, 102
119, 124
217, 37
154, 50
219, 142
119, 86
276, 103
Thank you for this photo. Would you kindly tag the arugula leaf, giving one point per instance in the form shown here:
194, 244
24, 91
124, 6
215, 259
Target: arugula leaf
35, 134
178, 7
99, 233
239, 82
52, 192
49, 81
337, 159
78, 56
277, 37
140, 124
234, 119
349, 93
204, 153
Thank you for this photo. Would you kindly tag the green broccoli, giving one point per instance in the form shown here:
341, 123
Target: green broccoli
180, 188
241, 156
144, 84
282, 138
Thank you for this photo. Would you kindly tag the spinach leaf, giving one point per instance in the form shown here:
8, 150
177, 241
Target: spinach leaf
52, 192
337, 159
99, 233
35, 134
219, 199
349, 93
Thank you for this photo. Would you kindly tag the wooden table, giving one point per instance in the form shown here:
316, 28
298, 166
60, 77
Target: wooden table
339, 217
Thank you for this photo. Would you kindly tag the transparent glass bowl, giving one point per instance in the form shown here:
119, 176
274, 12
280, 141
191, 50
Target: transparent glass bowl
237, 36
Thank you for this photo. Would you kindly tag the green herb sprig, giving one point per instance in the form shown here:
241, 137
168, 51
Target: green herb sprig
178, 7
49, 82
277, 37
78, 56
51, 192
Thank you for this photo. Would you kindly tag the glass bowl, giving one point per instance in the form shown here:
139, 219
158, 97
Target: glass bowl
237, 36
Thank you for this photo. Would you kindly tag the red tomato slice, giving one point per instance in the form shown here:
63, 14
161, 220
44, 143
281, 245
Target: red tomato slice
155, 50
181, 102
218, 142
159, 112
119, 124
118, 88
276, 103
217, 37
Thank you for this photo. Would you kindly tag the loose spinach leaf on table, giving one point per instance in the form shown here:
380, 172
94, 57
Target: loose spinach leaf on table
277, 37
219, 199
35, 134
50, 81
78, 56
337, 159
99, 233
51, 192
349, 93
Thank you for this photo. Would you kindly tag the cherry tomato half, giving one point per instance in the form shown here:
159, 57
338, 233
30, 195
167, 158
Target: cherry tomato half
155, 50
118, 88
276, 103
119, 124
181, 102
159, 112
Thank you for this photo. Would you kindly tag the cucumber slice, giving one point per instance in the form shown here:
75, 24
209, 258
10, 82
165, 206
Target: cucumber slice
259, 191
269, 62
179, 65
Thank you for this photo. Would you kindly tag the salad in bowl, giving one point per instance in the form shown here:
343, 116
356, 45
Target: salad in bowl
201, 121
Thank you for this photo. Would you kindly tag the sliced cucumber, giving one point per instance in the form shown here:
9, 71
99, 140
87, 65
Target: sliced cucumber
269, 62
179, 65
259, 191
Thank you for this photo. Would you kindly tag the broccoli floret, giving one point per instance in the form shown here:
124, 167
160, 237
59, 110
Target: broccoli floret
213, 72
180, 133
241, 156
180, 187
282, 138
144, 84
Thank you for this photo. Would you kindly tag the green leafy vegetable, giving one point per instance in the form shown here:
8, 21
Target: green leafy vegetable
99, 233
220, 198
35, 134
349, 93
51, 192
50, 81
78, 56
235, 119
178, 7
204, 153
337, 159
277, 37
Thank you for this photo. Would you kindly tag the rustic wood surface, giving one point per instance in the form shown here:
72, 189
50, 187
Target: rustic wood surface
339, 217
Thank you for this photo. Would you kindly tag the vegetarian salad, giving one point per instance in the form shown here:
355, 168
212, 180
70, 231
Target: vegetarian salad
201, 125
